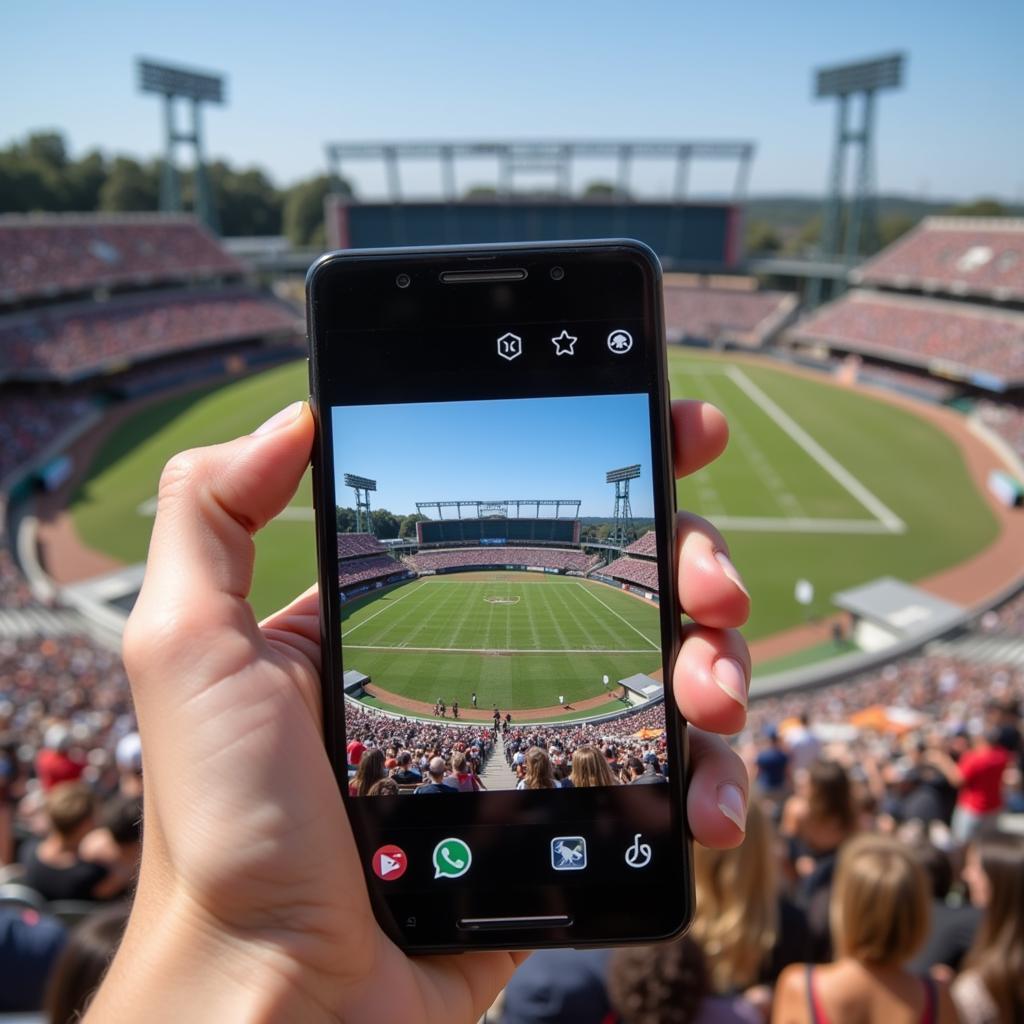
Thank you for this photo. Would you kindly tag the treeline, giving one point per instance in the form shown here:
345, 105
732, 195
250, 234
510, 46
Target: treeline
40, 175
386, 525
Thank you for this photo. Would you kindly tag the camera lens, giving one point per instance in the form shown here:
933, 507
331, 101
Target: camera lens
557, 273
403, 280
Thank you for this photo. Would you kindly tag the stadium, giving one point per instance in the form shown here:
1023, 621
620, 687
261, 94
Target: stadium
872, 492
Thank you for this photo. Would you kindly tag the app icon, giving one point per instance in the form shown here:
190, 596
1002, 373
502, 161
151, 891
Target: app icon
510, 346
564, 344
389, 863
452, 858
620, 342
638, 855
568, 853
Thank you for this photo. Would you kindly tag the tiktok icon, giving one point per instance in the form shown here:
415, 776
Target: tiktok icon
638, 855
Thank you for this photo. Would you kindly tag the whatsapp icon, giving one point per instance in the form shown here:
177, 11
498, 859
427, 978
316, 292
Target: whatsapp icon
452, 858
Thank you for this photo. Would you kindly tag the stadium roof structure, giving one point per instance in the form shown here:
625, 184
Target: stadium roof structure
899, 610
549, 156
500, 508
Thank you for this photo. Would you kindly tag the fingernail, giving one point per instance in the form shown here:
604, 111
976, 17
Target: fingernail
731, 679
733, 804
730, 570
279, 419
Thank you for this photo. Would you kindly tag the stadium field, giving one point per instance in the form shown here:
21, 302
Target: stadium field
819, 482
517, 643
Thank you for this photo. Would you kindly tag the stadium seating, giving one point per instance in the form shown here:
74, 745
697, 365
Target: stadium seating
1007, 421
543, 558
29, 424
714, 315
957, 255
75, 341
924, 332
50, 256
633, 570
646, 546
364, 570
352, 545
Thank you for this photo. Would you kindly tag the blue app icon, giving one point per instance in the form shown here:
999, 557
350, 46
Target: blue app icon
568, 853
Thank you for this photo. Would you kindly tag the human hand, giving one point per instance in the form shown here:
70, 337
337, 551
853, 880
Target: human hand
251, 902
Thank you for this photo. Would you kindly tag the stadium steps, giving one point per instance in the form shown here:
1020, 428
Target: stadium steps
990, 650
38, 621
496, 773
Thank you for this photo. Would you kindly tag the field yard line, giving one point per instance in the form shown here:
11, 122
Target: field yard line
500, 650
831, 465
386, 608
797, 524
618, 616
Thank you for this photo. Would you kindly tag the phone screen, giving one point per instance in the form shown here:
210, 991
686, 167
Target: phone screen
496, 479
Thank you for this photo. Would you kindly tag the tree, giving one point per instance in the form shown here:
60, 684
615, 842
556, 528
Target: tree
345, 519
601, 190
130, 186
247, 202
983, 207
481, 192
85, 179
385, 523
762, 237
303, 210
892, 227
408, 527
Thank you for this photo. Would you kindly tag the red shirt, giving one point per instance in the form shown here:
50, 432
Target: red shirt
53, 767
355, 751
982, 791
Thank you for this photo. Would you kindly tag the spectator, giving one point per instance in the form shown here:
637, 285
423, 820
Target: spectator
559, 986
879, 914
981, 787
118, 841
773, 767
804, 746
30, 943
54, 764
651, 772
991, 988
461, 778
538, 771
589, 768
436, 774
128, 756
384, 787
405, 774
371, 769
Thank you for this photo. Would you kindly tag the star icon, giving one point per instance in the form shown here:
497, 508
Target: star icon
564, 344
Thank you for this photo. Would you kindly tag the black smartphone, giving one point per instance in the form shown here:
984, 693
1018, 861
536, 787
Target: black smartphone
495, 510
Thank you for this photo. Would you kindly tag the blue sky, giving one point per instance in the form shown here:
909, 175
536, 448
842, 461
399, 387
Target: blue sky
300, 74
525, 448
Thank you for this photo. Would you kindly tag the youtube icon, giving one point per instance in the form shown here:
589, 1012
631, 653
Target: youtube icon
389, 863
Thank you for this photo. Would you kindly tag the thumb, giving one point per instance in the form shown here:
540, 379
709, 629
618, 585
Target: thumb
199, 570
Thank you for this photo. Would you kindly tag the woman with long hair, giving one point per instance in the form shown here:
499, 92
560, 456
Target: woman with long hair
991, 988
539, 774
879, 911
462, 777
589, 768
371, 769
748, 931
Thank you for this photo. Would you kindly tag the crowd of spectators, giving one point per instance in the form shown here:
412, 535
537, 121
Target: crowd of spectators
633, 570
921, 331
542, 558
919, 384
29, 424
1008, 618
715, 315
14, 589
353, 545
71, 342
46, 256
958, 255
1005, 420
644, 547
355, 571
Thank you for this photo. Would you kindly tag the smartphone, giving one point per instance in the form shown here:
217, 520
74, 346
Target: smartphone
495, 509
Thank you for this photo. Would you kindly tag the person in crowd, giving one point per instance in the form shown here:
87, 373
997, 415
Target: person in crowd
816, 820
879, 915
384, 787
804, 747
559, 986
405, 774
436, 775
953, 926
589, 768
354, 750
117, 842
30, 943
980, 799
128, 757
990, 990
538, 771
462, 778
748, 929
54, 763
82, 964
371, 769
54, 866
669, 984
773, 767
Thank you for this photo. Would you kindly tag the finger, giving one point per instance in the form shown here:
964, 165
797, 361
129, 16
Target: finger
716, 802
711, 591
711, 679
699, 435
210, 502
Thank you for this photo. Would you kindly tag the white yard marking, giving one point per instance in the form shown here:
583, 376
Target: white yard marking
587, 590
386, 608
835, 469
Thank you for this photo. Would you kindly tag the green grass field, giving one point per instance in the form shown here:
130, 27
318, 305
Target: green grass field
514, 642
877, 491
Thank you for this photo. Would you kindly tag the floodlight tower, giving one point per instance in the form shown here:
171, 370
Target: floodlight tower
178, 83
362, 487
623, 527
865, 78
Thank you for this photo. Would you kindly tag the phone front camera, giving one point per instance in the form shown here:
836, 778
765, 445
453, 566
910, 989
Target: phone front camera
403, 280
557, 273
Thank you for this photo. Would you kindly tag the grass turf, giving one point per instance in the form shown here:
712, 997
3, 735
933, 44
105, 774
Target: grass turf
912, 467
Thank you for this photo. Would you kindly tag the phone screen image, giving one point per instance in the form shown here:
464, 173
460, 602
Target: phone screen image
503, 640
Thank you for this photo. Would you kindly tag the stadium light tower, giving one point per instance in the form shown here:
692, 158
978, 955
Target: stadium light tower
362, 487
623, 526
844, 81
179, 83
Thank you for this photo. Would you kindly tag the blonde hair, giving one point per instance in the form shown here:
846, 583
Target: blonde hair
589, 768
737, 920
880, 909
538, 770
